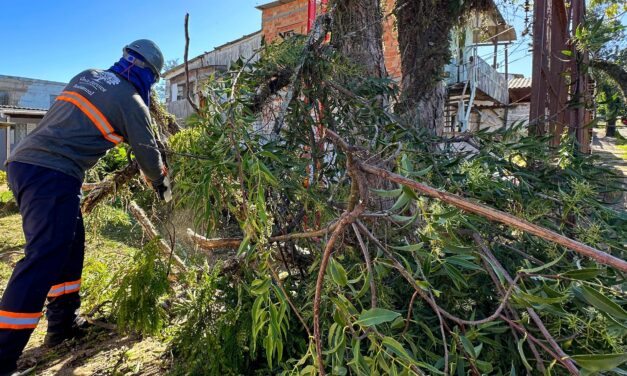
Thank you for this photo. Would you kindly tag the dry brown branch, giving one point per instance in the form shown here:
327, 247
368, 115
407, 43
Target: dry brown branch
532, 313
109, 186
234, 243
520, 328
188, 95
401, 269
86, 187
151, 231
348, 217
289, 301
364, 250
409, 309
213, 244
499, 216
513, 313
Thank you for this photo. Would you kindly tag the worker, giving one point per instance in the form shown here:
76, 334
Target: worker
98, 110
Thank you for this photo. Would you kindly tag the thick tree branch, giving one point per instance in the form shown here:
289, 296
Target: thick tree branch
187, 87
499, 216
109, 186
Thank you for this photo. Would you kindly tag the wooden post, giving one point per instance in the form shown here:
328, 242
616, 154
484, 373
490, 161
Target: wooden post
506, 111
538, 85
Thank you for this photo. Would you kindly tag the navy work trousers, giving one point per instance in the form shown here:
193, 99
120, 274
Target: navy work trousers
51, 268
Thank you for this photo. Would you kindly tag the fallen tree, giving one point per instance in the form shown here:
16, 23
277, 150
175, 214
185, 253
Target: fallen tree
456, 258
482, 259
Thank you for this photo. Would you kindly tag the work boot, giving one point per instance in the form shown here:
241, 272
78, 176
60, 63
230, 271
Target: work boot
57, 335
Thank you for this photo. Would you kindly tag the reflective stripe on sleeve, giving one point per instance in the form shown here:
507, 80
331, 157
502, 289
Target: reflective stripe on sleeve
16, 320
99, 120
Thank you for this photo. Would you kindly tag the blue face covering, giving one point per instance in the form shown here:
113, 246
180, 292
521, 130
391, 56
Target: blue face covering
141, 78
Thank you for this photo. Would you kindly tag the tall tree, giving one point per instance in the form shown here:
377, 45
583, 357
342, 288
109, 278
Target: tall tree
424, 27
357, 33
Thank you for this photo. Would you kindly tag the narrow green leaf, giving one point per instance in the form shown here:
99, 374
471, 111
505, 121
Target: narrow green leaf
468, 347
542, 267
409, 248
402, 218
397, 348
260, 286
388, 194
338, 273
400, 203
422, 172
523, 358
603, 303
535, 299
583, 274
376, 316
600, 362
410, 192
455, 275
463, 262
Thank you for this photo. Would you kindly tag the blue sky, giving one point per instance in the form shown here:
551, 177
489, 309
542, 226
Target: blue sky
54, 40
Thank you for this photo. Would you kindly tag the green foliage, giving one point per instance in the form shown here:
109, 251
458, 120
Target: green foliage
257, 177
212, 337
250, 180
3, 178
137, 304
6, 197
115, 159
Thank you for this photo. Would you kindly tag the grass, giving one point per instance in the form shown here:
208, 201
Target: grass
111, 240
621, 144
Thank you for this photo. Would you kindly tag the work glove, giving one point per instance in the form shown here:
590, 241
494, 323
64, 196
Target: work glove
164, 190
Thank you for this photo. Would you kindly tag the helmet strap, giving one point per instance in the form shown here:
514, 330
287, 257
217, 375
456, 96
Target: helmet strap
137, 62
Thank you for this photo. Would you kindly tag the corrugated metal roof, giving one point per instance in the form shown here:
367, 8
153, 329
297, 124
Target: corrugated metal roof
519, 83
190, 61
7, 107
273, 4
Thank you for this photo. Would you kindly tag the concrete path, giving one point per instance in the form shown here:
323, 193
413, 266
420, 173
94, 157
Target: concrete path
607, 149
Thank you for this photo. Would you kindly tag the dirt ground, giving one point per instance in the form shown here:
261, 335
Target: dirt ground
102, 351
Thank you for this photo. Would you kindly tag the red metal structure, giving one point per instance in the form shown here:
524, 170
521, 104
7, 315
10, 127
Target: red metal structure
311, 12
560, 91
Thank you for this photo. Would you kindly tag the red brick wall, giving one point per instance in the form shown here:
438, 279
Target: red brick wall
390, 40
283, 18
292, 16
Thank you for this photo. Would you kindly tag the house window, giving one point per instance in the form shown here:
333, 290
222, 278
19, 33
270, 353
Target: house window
4, 98
181, 92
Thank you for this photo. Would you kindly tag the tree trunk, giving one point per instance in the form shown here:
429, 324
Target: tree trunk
610, 128
423, 34
424, 28
358, 32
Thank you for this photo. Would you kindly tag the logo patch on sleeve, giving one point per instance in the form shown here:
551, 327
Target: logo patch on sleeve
105, 77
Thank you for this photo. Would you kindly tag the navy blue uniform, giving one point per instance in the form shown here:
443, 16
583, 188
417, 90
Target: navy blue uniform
53, 227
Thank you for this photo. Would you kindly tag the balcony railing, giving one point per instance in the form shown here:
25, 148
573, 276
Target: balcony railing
488, 80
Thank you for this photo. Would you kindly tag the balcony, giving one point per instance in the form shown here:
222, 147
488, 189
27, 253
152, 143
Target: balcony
490, 85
